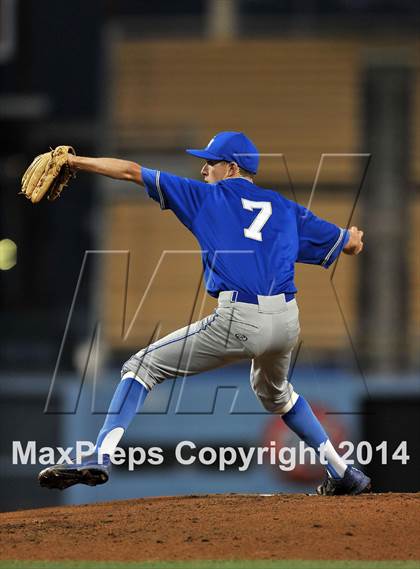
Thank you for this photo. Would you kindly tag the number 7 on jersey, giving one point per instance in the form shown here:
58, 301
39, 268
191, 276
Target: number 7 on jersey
254, 230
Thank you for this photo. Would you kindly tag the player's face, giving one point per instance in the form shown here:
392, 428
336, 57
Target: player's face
213, 171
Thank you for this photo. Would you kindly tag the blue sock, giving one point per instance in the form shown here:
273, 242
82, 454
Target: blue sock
128, 397
302, 421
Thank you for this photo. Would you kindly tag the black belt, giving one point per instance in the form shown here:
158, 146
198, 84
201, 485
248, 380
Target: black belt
239, 296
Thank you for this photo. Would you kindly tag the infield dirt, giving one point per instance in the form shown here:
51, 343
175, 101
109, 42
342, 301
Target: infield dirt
368, 527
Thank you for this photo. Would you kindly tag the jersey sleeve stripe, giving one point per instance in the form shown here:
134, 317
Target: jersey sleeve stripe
159, 189
334, 247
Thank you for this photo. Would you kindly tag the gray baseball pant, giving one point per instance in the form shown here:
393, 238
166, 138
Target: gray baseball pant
265, 334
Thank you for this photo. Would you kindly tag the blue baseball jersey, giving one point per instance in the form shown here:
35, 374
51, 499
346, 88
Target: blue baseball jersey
250, 237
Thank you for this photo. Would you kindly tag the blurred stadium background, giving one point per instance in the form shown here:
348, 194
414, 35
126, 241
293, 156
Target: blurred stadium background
330, 91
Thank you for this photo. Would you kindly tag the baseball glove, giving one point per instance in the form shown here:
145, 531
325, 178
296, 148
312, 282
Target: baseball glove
48, 175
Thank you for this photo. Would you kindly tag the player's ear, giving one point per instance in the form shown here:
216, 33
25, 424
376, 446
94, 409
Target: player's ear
233, 169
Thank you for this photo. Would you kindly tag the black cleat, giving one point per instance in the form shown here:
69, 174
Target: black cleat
353, 482
91, 470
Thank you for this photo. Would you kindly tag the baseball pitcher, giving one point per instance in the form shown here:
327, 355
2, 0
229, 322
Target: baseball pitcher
250, 238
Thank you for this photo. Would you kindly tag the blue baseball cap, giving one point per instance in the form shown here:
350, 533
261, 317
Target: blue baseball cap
232, 147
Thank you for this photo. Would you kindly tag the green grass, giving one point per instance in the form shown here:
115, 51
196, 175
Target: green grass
262, 564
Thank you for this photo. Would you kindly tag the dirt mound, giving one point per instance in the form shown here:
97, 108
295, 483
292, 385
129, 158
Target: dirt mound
375, 526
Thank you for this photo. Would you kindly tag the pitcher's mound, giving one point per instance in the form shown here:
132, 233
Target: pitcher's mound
374, 526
